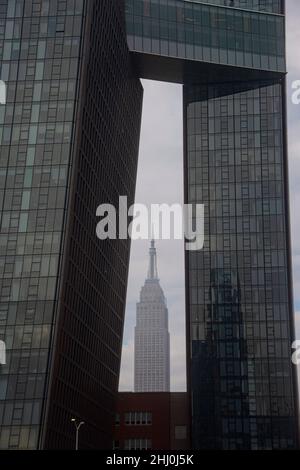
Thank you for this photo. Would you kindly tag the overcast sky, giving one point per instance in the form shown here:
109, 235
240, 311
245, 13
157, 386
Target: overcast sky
160, 180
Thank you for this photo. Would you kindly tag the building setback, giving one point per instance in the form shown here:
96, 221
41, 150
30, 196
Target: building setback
69, 136
152, 338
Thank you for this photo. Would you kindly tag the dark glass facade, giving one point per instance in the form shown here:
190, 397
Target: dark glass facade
194, 31
240, 310
270, 6
87, 352
39, 63
69, 141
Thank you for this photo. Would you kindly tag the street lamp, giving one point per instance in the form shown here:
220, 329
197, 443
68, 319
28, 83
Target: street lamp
77, 426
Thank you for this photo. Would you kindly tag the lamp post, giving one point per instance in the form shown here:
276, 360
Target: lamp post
77, 426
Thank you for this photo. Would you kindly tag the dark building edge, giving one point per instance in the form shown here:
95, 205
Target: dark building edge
69, 201
186, 267
81, 93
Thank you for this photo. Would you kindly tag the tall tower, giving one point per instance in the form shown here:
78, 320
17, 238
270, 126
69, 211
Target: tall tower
62, 291
152, 340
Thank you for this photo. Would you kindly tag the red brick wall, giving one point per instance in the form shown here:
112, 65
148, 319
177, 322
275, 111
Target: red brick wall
161, 431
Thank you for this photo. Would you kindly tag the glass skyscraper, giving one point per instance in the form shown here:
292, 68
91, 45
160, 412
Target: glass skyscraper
239, 303
69, 136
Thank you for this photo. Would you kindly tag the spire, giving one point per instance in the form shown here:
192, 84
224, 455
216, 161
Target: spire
152, 272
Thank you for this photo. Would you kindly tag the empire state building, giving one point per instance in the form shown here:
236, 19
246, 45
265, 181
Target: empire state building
152, 339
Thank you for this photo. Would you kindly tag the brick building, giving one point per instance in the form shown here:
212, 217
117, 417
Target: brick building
157, 421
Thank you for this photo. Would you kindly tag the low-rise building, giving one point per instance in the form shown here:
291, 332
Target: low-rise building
152, 421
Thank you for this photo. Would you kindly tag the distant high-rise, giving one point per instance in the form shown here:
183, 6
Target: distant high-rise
152, 340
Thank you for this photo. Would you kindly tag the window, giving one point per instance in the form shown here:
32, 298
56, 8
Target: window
23, 222
138, 418
180, 432
3, 387
137, 444
116, 445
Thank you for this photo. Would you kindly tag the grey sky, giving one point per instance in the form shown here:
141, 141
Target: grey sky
160, 179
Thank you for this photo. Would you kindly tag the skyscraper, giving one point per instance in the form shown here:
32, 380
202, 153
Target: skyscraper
69, 136
152, 339
230, 58
69, 142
